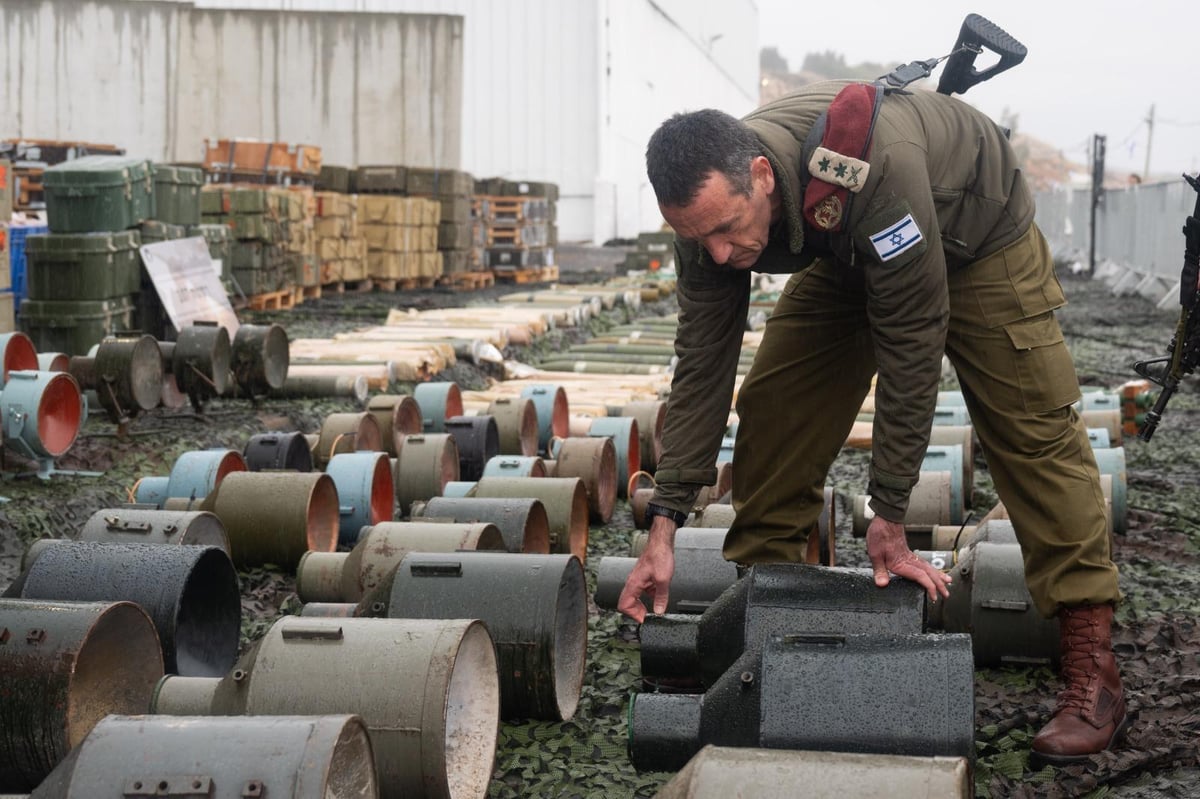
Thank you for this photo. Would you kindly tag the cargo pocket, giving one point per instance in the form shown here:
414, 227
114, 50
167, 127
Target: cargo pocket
1042, 366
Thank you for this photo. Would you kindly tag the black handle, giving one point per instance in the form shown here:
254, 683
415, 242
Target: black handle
977, 33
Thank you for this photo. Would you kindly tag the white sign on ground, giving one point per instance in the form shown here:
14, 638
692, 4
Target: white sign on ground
190, 291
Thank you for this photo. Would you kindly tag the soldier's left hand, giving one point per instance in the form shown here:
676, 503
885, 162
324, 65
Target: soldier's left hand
889, 552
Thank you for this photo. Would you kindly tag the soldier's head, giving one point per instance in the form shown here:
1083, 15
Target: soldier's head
713, 184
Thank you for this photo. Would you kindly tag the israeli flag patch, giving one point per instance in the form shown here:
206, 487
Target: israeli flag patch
897, 238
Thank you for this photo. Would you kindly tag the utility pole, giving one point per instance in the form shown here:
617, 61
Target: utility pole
1098, 148
1149, 141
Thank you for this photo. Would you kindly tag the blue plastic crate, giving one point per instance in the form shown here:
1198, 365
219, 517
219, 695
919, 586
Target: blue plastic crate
16, 257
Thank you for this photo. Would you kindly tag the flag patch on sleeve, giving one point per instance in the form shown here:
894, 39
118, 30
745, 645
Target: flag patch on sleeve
897, 238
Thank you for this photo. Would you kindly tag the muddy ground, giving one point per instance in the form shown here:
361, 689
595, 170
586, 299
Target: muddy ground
1157, 635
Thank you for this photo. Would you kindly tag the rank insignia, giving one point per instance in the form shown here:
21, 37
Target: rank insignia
840, 170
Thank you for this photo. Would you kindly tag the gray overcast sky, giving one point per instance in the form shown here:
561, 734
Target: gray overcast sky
1093, 67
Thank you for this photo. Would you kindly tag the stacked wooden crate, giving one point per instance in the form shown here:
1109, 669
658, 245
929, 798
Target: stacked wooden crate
301, 241
341, 247
259, 221
452, 190
255, 161
519, 231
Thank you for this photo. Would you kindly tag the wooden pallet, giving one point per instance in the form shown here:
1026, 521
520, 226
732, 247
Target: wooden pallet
549, 273
508, 236
307, 293
358, 286
272, 300
468, 281
527, 275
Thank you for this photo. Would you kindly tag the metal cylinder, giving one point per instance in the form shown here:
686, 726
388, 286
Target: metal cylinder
346, 577
346, 432
41, 412
522, 522
354, 387
541, 641
64, 666
624, 433
275, 517
201, 360
260, 358
126, 373
1111, 462
198, 473
151, 490
459, 488
594, 461
17, 354
291, 757
278, 451
398, 416
477, 440
53, 362
191, 593
928, 504
517, 423
425, 465
1108, 419
638, 502
949, 458
515, 466
566, 507
701, 573
650, 415
553, 413
990, 600
365, 489
1099, 438
427, 691
152, 526
714, 515
439, 402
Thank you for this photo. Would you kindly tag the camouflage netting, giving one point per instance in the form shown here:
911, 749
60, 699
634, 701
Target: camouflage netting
1157, 634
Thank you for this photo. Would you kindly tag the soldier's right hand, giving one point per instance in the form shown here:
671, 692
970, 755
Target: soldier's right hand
652, 573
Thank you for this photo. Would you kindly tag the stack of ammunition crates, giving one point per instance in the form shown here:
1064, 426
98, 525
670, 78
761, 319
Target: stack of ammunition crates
517, 224
401, 235
655, 251
301, 242
8, 308
341, 248
258, 219
452, 190
251, 160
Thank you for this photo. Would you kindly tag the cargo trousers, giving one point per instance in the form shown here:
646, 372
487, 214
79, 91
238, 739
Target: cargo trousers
814, 368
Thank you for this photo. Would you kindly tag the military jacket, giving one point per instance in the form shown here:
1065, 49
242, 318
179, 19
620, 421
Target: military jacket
941, 173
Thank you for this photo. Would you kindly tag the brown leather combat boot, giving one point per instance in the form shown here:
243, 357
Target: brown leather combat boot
1090, 716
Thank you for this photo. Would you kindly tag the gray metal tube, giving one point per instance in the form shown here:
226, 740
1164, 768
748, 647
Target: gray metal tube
651, 416
478, 441
152, 526
522, 522
65, 666
191, 593
517, 423
566, 506
398, 416
260, 358
594, 461
301, 386
301, 757
701, 573
200, 361
425, 465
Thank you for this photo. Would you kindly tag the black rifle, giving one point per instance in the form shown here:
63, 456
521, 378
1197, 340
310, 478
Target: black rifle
960, 74
1183, 354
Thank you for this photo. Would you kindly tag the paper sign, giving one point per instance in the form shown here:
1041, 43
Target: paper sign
190, 291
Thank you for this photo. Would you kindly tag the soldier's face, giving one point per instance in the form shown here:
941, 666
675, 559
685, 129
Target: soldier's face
732, 227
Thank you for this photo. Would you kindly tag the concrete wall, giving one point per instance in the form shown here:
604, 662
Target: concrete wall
157, 78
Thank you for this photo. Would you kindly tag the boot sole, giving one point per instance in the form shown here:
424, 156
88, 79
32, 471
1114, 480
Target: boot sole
1039, 760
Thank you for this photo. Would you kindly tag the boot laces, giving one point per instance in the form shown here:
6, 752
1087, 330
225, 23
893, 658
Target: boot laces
1080, 651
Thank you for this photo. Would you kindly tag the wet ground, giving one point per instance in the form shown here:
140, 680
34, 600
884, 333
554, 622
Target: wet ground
1156, 636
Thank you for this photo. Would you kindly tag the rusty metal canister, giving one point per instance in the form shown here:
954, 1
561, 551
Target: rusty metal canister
565, 500
425, 465
278, 451
625, 436
553, 412
928, 504
720, 772
365, 489
153, 526
200, 360
594, 461
541, 641
287, 757
650, 415
275, 517
64, 666
639, 500
346, 432
347, 576
517, 423
126, 373
477, 440
191, 593
522, 521
438, 402
260, 358
701, 572
398, 416
427, 690
515, 466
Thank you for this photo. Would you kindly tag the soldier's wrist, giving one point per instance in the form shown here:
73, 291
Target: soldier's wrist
655, 509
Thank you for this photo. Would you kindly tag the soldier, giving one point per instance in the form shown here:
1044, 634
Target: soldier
908, 229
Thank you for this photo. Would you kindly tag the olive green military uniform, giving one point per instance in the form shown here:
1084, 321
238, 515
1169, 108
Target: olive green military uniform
973, 278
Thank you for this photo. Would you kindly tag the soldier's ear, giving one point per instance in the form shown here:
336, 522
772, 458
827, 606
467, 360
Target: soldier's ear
761, 172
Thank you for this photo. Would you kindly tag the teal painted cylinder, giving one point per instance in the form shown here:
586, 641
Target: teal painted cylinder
949, 458
458, 489
438, 402
1099, 438
731, 431
624, 432
151, 491
553, 412
725, 454
196, 474
1099, 401
514, 466
365, 489
951, 414
947, 399
1111, 461
42, 412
